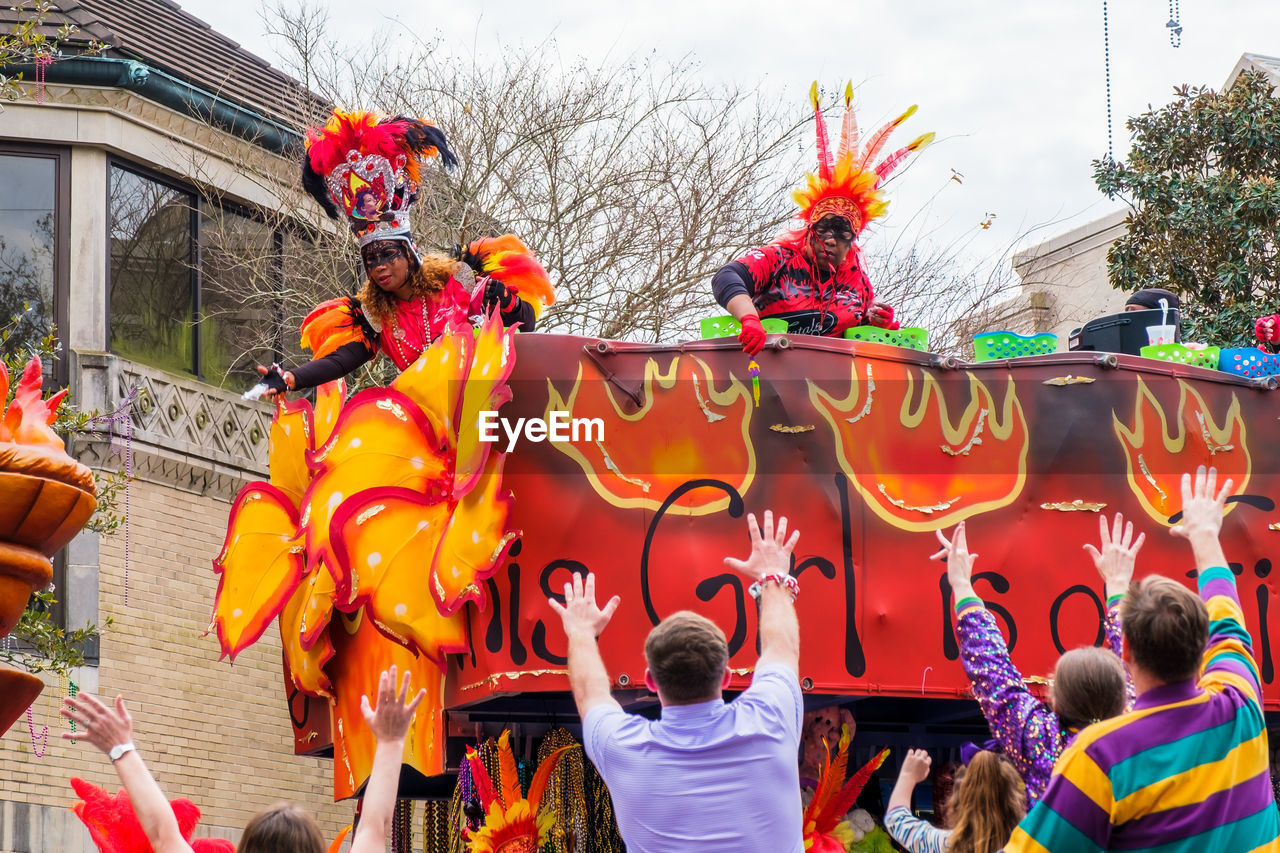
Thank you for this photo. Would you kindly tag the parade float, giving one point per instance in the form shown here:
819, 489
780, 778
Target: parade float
392, 533
48, 497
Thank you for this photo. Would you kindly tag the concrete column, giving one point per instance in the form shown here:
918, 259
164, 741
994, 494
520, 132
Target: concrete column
87, 307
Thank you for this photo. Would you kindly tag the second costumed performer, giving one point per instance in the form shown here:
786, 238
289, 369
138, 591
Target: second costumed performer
813, 277
366, 169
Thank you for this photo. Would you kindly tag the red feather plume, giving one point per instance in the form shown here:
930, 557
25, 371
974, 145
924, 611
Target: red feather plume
114, 826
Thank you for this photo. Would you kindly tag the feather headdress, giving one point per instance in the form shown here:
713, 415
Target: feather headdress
825, 829
114, 826
367, 169
847, 184
512, 823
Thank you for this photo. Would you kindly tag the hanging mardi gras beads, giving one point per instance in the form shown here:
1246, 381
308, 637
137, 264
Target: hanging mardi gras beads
402, 827
436, 825
753, 370
565, 797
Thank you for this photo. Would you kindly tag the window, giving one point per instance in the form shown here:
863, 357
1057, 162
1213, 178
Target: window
240, 297
195, 287
153, 271
33, 268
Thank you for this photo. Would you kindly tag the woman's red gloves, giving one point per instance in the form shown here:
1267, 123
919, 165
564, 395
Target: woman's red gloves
1268, 329
752, 335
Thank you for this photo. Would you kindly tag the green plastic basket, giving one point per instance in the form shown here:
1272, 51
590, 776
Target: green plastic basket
990, 346
911, 338
1179, 354
727, 327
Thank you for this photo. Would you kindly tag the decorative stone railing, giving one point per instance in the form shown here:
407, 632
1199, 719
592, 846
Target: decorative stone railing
181, 430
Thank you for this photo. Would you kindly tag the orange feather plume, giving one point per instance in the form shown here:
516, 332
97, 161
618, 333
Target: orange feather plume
511, 262
849, 187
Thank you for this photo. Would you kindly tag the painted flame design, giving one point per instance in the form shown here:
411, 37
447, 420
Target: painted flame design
692, 427
979, 458
1158, 450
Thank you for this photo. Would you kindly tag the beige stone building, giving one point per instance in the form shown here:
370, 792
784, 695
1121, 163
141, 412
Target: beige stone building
116, 177
1064, 279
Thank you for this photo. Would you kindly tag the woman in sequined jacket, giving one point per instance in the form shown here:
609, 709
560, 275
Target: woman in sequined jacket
1089, 683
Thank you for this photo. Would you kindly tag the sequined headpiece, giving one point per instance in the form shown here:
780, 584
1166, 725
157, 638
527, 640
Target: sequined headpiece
366, 168
846, 184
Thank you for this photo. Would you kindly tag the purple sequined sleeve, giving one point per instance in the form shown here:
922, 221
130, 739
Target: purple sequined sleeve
1113, 643
1028, 731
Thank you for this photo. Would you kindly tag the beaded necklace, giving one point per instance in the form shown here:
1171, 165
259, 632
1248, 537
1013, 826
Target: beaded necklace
398, 334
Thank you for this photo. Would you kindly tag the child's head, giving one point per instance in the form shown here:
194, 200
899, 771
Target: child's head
1088, 685
281, 828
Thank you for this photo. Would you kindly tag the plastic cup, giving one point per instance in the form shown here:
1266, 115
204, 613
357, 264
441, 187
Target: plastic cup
1161, 334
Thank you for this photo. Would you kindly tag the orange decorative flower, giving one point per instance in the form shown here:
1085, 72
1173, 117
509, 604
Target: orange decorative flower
512, 823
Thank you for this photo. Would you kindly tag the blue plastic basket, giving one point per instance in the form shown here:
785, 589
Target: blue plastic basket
1250, 362
990, 346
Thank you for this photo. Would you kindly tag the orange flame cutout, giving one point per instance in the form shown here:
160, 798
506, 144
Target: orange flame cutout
980, 461
1157, 453
29, 416
388, 470
639, 468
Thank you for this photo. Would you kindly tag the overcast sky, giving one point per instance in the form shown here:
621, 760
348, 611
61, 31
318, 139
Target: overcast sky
1014, 89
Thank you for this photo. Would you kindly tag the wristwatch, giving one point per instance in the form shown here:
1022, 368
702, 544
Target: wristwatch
118, 751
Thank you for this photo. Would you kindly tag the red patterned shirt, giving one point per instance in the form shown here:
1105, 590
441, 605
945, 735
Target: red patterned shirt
781, 283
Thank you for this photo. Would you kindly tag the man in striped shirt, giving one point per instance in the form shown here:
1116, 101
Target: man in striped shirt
1187, 768
709, 776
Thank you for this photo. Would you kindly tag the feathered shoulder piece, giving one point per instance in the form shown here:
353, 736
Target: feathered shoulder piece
367, 169
509, 260
825, 829
335, 323
846, 183
114, 826
511, 822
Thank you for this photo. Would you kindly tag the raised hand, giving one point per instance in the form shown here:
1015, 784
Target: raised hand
916, 766
1202, 504
770, 549
959, 561
391, 719
102, 726
1119, 551
579, 611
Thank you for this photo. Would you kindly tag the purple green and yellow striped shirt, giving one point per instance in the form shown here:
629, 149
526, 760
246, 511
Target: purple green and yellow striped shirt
1185, 770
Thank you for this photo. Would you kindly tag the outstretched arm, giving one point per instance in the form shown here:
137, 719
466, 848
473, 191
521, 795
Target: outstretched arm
389, 723
770, 559
1229, 655
583, 622
107, 728
1115, 561
911, 832
1028, 732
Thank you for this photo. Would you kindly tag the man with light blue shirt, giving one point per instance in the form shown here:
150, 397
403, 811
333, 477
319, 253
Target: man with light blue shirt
708, 775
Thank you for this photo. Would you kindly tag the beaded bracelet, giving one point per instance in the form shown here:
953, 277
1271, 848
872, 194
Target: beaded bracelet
792, 585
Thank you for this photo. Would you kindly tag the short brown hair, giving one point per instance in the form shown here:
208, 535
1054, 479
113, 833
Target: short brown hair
989, 799
1088, 685
282, 828
687, 654
1166, 627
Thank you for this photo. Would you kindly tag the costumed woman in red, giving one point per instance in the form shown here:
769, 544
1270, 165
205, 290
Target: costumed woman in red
366, 169
813, 277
